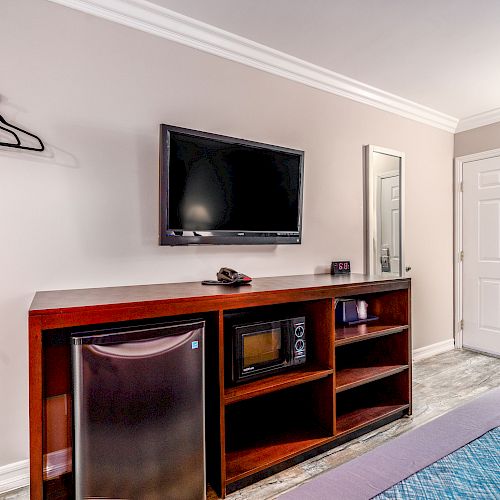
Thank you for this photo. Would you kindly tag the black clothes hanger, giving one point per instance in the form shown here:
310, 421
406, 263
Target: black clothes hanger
19, 144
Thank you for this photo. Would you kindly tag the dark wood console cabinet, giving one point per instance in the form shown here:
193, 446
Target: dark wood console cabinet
355, 379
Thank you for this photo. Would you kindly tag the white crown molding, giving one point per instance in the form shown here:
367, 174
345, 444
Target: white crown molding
433, 349
160, 21
14, 476
479, 120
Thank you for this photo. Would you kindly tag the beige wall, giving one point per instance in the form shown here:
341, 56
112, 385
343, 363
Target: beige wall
477, 140
85, 215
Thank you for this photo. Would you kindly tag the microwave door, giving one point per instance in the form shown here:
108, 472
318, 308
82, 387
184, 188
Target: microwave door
262, 350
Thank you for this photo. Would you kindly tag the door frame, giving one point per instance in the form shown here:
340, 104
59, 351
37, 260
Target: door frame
460, 162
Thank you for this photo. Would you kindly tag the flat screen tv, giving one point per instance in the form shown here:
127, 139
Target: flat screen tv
221, 190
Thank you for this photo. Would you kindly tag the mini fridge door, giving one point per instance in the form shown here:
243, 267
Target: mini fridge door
139, 412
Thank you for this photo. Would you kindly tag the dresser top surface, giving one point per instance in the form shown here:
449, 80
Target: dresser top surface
51, 301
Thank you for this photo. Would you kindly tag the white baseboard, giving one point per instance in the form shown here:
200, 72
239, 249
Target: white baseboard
14, 476
433, 349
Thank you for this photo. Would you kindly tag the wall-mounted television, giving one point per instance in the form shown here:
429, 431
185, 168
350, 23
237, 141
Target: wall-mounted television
222, 190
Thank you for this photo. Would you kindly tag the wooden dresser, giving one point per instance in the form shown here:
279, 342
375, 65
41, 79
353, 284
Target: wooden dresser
356, 377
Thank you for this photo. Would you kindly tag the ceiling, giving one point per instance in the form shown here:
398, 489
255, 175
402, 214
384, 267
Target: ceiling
443, 54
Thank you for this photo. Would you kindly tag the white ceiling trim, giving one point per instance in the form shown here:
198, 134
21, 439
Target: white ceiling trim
479, 120
163, 22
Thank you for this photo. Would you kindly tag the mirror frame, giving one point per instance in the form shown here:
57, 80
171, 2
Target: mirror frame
370, 220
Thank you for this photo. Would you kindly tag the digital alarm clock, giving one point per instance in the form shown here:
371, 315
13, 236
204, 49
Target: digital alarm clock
341, 267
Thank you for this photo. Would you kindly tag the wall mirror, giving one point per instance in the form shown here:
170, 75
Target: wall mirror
384, 211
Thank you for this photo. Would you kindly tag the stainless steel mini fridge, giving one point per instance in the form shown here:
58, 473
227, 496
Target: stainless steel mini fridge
139, 412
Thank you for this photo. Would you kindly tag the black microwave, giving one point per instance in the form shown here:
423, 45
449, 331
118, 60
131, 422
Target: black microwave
259, 349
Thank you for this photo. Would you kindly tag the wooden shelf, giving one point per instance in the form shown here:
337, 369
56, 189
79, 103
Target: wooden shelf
265, 431
354, 377
356, 333
360, 417
273, 383
271, 450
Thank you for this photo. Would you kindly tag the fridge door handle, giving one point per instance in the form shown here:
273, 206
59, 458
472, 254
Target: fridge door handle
141, 333
144, 348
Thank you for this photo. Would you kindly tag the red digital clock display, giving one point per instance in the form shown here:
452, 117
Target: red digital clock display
341, 267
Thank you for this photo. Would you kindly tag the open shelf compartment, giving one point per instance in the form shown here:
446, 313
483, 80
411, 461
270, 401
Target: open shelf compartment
373, 359
319, 347
264, 431
371, 402
390, 307
56, 407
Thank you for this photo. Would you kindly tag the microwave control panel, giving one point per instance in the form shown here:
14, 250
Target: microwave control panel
299, 341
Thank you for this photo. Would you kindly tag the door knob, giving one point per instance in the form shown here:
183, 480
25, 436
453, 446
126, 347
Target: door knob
408, 268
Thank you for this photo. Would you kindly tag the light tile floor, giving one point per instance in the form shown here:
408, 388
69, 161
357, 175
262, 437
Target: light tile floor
440, 384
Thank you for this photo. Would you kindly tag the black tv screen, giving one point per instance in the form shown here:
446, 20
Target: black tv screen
221, 190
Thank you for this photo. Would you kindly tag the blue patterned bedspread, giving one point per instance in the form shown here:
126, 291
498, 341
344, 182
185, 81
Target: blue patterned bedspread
471, 472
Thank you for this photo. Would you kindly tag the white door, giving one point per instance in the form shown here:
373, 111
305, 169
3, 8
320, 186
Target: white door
388, 221
481, 262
